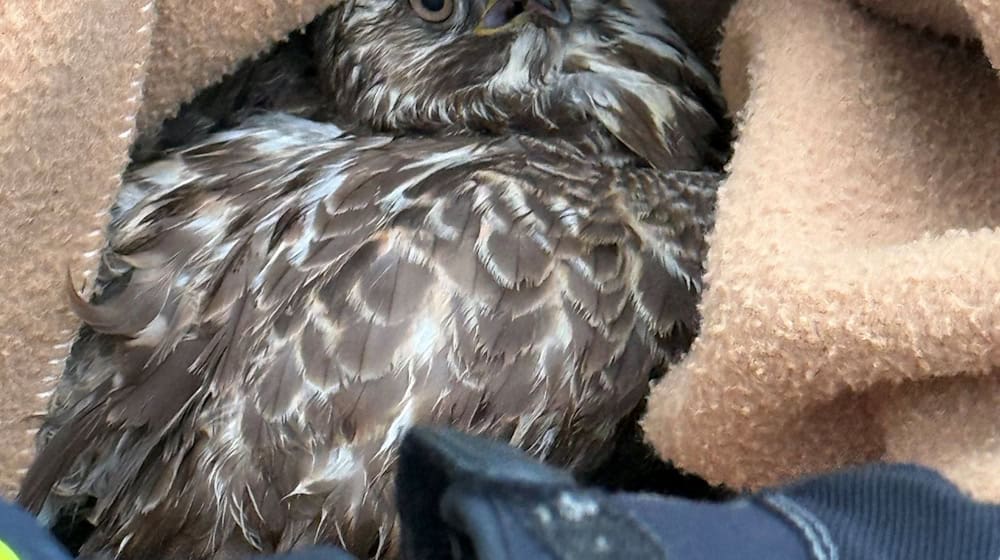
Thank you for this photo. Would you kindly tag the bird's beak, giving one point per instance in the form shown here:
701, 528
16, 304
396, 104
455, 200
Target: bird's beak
503, 15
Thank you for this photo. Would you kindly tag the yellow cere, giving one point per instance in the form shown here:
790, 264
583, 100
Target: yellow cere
6, 553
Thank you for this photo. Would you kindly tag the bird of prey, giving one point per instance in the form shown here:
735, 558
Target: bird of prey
501, 230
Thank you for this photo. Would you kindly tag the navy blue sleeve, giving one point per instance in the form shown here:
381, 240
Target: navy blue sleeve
22, 538
888, 511
317, 553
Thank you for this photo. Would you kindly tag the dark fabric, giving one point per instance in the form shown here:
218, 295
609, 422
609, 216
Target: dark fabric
318, 553
432, 462
22, 536
703, 531
464, 498
889, 512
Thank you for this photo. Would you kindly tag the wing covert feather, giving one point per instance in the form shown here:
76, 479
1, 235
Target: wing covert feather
280, 302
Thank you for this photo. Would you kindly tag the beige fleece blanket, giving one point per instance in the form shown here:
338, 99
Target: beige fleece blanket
852, 313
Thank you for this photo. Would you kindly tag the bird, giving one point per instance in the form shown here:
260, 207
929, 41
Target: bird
500, 229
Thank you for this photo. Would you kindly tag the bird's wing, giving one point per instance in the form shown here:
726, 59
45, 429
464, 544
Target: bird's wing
280, 302
672, 113
204, 253
675, 214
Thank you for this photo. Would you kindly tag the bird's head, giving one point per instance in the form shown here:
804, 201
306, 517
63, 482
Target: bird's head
573, 68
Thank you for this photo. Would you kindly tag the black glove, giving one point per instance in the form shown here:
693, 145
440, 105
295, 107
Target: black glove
462, 498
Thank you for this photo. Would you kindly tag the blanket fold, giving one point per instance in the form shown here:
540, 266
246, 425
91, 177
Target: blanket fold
71, 77
196, 44
852, 313
854, 253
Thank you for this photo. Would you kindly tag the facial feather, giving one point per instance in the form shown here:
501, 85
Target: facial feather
615, 76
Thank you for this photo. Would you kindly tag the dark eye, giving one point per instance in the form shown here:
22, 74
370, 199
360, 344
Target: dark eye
434, 11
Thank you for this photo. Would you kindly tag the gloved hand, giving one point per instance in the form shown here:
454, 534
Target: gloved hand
466, 498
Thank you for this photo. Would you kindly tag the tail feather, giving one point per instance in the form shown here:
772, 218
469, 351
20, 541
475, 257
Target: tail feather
57, 458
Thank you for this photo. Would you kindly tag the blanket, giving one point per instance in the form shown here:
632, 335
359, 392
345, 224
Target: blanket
852, 312
853, 308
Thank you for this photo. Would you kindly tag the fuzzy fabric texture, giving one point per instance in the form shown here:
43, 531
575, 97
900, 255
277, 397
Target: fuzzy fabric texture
71, 77
78, 80
853, 309
852, 313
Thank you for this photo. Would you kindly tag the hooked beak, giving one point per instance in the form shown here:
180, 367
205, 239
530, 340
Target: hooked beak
502, 15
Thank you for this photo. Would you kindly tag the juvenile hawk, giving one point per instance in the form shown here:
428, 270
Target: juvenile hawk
503, 232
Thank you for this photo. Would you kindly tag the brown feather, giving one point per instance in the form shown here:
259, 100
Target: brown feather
279, 302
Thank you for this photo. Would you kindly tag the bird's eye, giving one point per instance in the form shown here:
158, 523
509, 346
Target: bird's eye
434, 11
